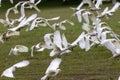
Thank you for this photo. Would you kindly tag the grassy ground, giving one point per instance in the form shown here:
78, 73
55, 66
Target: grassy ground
78, 65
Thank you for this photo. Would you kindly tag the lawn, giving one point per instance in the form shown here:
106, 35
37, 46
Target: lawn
78, 65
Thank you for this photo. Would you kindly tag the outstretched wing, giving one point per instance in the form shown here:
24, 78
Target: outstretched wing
21, 64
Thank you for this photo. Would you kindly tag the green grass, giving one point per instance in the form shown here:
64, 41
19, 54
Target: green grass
78, 65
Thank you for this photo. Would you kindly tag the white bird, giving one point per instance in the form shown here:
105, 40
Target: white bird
23, 9
82, 43
98, 3
95, 21
60, 41
32, 2
87, 43
57, 52
114, 8
104, 35
7, 14
78, 7
54, 41
60, 24
109, 12
104, 13
48, 40
7, 21
24, 22
17, 49
85, 16
57, 43
38, 47
33, 25
113, 45
94, 39
79, 14
53, 69
81, 36
60, 45
18, 4
87, 27
64, 41
91, 4
48, 44
9, 71
7, 35
40, 21
10, 34
57, 39
102, 27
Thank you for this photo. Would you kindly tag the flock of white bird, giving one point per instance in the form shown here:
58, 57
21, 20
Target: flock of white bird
95, 32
